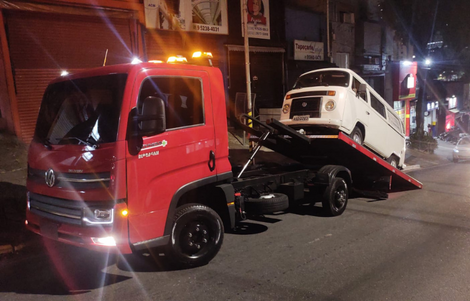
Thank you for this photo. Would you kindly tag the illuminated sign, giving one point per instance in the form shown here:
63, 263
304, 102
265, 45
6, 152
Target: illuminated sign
308, 51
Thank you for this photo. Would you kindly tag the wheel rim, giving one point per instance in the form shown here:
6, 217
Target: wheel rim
196, 238
340, 199
357, 138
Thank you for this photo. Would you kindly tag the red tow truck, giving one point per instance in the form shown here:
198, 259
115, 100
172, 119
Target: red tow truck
131, 157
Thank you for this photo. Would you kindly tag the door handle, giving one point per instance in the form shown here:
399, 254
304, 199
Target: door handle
211, 162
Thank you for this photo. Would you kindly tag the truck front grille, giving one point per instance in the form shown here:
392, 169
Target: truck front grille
77, 181
306, 106
60, 210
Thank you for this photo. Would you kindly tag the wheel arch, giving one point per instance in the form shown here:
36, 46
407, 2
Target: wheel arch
220, 198
361, 126
334, 171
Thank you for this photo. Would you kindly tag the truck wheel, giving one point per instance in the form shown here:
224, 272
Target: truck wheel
393, 160
196, 236
357, 136
335, 197
267, 203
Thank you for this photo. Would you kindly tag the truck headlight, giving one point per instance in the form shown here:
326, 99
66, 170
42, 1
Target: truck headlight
94, 216
285, 108
330, 105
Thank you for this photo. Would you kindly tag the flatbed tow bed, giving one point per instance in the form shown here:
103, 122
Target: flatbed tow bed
371, 173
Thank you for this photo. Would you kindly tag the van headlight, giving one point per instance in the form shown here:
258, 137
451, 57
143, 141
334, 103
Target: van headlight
330, 105
285, 108
98, 216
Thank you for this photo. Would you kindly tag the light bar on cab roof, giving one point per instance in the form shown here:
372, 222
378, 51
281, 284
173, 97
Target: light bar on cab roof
199, 54
177, 59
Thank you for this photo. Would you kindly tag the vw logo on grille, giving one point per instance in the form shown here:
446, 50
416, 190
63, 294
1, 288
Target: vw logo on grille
304, 104
49, 177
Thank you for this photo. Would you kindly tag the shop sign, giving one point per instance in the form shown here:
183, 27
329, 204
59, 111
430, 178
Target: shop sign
308, 51
407, 80
371, 68
190, 15
257, 19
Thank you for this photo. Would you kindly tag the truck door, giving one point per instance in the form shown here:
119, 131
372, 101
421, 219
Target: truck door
175, 158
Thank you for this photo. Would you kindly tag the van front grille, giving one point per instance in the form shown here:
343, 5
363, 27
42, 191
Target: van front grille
306, 106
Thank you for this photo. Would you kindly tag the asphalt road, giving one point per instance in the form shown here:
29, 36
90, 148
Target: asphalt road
413, 246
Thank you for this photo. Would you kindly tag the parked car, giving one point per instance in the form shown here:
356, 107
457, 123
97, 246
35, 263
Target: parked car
462, 149
330, 100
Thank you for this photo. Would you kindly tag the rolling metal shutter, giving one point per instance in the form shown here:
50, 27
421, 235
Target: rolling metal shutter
43, 44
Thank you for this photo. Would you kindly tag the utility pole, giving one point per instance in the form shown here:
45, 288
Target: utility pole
247, 61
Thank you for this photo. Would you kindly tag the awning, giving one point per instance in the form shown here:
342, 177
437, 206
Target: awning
255, 49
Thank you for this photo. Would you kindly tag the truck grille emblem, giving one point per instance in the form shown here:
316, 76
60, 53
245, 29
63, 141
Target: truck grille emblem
49, 177
304, 104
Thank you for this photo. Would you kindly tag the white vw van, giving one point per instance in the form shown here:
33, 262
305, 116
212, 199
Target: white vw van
327, 101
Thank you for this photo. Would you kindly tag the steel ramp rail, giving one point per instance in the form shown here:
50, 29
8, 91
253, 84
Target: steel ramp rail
369, 171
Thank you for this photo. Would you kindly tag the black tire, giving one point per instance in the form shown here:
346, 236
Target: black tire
267, 203
357, 136
196, 236
393, 160
335, 197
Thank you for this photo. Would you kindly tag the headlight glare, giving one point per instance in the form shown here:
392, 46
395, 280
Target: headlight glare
98, 216
285, 108
330, 105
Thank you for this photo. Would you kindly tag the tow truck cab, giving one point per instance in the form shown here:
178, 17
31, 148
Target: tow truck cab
117, 149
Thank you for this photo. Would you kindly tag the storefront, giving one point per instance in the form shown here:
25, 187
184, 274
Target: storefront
46, 40
404, 81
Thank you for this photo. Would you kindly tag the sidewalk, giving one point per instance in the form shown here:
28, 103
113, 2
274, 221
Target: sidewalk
13, 162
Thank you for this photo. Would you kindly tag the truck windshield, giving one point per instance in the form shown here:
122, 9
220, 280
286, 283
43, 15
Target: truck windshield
81, 111
324, 78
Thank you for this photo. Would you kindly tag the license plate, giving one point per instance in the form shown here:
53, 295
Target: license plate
301, 117
49, 229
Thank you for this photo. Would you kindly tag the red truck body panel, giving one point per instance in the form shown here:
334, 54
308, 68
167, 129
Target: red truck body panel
148, 181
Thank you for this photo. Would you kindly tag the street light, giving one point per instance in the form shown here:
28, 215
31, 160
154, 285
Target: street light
428, 62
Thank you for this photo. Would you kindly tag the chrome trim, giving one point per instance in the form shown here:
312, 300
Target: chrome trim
82, 180
57, 213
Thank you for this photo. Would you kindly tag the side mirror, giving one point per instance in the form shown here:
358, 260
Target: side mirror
152, 120
362, 90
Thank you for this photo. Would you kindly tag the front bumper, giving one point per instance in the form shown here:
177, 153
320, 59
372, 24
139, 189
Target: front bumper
103, 238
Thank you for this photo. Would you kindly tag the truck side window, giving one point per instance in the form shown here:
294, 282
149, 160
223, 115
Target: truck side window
377, 105
182, 96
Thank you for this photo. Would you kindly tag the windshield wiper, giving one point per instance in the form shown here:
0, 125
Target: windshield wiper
80, 141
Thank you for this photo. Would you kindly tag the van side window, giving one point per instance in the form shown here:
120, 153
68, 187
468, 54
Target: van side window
377, 105
355, 86
183, 99
395, 122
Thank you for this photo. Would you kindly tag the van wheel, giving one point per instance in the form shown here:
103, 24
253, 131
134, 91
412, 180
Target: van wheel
393, 160
357, 136
196, 236
335, 197
267, 203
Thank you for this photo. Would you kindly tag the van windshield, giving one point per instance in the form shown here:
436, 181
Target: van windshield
323, 78
81, 111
